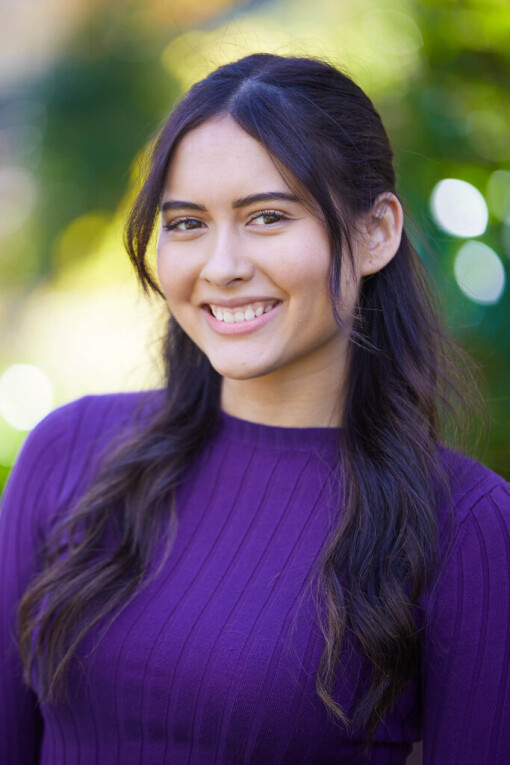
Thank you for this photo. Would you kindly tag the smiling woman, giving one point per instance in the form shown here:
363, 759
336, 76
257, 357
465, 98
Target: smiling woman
239, 270
274, 559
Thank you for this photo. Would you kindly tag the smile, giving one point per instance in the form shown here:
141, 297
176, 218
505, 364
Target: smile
240, 319
243, 313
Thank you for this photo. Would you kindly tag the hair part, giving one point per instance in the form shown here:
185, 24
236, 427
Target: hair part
328, 139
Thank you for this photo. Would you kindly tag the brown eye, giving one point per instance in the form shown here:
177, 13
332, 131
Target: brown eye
183, 224
267, 217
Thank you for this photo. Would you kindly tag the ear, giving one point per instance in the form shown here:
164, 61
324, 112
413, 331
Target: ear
383, 232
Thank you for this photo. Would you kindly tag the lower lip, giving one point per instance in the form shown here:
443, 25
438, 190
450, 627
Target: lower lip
241, 327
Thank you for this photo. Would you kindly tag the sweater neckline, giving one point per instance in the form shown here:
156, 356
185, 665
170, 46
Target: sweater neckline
279, 437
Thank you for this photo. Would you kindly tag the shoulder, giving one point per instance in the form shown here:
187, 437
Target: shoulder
477, 494
474, 533
61, 453
87, 421
471, 589
95, 414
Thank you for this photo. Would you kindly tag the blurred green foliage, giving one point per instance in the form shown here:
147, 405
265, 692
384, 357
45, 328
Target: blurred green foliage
100, 110
448, 116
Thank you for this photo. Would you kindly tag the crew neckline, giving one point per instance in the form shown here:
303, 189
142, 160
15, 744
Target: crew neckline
278, 436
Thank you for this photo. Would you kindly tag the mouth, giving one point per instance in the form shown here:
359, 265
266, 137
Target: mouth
241, 313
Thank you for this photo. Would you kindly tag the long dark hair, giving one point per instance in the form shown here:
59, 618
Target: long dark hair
327, 136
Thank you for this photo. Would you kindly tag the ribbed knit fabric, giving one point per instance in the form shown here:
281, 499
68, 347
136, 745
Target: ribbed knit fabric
215, 660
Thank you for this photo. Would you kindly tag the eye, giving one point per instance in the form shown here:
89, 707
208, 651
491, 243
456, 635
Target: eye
183, 224
267, 217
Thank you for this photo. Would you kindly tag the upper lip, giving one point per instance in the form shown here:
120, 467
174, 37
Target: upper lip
239, 301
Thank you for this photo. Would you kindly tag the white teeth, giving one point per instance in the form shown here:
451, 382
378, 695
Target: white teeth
248, 314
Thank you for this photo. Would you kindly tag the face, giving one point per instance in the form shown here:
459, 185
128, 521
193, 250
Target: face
242, 263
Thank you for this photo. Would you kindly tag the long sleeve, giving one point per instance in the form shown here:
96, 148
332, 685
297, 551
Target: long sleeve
30, 496
466, 662
215, 659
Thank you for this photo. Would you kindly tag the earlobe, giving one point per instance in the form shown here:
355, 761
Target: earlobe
383, 233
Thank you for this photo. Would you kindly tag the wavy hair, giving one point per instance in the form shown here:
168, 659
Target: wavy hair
328, 139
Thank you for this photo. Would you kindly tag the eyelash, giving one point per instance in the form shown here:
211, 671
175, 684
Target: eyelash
269, 213
261, 213
175, 223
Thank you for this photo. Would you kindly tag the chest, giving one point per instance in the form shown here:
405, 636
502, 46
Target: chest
215, 660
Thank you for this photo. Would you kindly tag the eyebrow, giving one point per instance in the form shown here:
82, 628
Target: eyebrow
267, 196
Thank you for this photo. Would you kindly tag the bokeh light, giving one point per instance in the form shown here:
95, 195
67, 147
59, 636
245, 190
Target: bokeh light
26, 396
479, 273
459, 208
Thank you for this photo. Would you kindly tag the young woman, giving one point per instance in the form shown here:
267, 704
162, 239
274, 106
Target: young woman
274, 559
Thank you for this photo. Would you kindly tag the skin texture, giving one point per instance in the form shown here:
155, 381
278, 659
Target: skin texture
266, 249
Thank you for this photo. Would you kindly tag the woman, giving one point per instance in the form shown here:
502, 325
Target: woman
272, 560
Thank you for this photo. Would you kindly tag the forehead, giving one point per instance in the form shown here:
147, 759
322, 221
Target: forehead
219, 156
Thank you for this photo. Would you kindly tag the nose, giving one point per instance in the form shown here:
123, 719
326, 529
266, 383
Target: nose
227, 262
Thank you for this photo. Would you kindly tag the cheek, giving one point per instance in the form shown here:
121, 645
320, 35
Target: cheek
307, 283
175, 278
308, 268
307, 279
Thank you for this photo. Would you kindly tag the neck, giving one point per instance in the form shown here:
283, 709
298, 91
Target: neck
298, 397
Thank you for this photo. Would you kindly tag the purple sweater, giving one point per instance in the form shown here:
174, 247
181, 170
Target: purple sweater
215, 661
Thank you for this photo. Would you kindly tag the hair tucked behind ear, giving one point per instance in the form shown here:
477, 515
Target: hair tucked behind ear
325, 134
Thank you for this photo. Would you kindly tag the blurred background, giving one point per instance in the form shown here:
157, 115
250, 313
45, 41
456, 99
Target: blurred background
84, 85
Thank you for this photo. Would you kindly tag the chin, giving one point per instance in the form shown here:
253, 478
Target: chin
240, 373
241, 370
